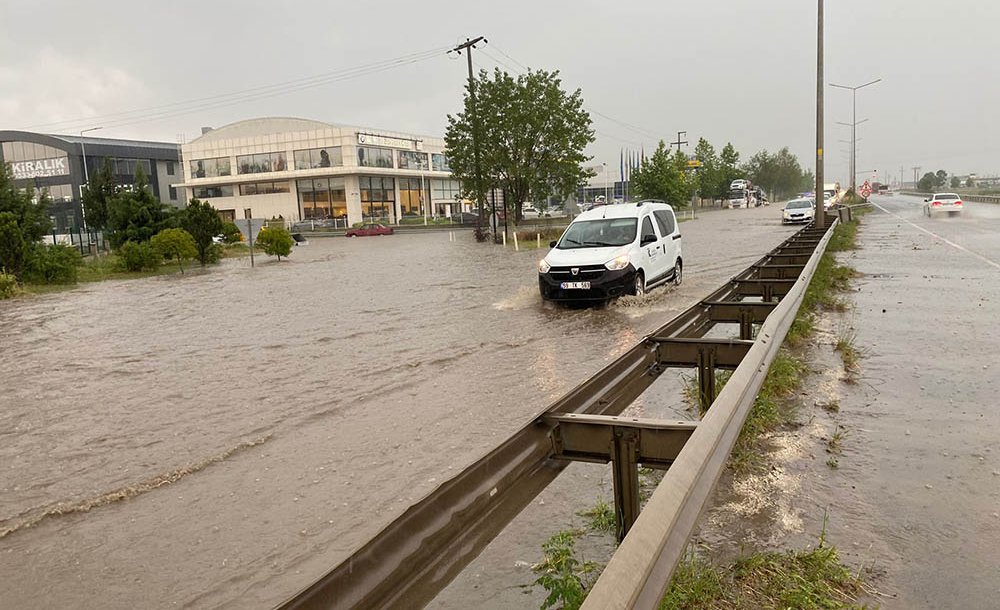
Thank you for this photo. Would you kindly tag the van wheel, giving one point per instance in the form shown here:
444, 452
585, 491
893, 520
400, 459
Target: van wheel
678, 272
639, 289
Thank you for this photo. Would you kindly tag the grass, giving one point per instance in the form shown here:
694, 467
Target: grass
807, 579
849, 353
566, 578
600, 518
835, 443
692, 393
833, 463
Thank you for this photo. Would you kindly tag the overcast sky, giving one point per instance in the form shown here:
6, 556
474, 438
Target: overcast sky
730, 70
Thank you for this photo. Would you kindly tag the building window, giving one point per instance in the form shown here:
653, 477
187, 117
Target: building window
323, 198
210, 168
227, 215
170, 168
374, 157
411, 201
378, 198
439, 163
263, 188
446, 190
318, 157
127, 167
261, 163
412, 160
173, 193
28, 151
205, 192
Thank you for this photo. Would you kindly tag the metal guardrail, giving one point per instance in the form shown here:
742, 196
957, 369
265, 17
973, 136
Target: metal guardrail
965, 197
418, 554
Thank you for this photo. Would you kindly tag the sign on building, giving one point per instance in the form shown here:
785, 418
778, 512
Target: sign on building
40, 168
373, 140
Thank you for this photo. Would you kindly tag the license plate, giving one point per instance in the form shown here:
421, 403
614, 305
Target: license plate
575, 285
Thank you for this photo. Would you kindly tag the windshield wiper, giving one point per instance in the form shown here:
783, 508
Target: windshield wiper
599, 243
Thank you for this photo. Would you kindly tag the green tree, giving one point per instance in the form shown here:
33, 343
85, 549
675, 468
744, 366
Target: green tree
12, 247
98, 194
970, 183
276, 242
531, 136
135, 214
710, 172
941, 178
729, 160
25, 222
231, 233
928, 183
665, 176
176, 244
56, 264
956, 182
202, 222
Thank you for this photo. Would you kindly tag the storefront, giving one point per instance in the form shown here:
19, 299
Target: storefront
298, 169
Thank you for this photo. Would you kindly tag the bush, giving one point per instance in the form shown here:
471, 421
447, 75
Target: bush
8, 285
139, 256
231, 233
53, 264
175, 244
276, 242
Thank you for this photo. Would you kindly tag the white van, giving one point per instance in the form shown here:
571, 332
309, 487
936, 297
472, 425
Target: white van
613, 250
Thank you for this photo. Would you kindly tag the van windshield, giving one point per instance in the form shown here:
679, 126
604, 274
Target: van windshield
599, 233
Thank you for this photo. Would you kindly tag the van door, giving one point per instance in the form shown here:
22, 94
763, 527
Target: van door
670, 249
650, 252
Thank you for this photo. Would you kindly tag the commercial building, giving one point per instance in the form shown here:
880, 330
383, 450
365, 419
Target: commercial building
61, 165
299, 169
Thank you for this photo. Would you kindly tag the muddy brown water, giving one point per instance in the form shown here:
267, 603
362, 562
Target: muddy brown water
223, 438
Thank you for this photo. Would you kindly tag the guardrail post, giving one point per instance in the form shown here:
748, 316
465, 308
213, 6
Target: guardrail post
706, 377
626, 479
746, 323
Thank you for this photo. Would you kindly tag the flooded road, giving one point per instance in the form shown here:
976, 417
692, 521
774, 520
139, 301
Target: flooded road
221, 439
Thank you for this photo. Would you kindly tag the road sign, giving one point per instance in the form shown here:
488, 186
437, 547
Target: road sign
865, 190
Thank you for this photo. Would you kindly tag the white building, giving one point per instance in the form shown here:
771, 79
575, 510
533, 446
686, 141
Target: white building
300, 169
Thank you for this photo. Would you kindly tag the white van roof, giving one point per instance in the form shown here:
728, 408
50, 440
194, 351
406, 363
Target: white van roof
622, 210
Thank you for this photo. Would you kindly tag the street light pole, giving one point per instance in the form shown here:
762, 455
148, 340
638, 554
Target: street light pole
86, 182
605, 165
820, 214
854, 124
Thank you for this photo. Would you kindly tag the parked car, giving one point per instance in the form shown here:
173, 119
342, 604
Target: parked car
369, 230
798, 210
528, 210
469, 218
943, 202
613, 250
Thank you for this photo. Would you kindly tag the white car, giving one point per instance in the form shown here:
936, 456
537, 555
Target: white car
613, 250
943, 202
739, 183
798, 210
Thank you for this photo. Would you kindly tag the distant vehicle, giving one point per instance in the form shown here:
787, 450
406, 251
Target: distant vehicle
528, 210
833, 189
369, 230
465, 217
798, 210
611, 251
739, 184
943, 202
740, 198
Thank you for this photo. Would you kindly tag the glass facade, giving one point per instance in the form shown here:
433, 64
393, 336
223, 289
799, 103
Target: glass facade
261, 163
204, 192
318, 157
127, 167
28, 160
374, 157
60, 192
411, 201
322, 198
28, 151
409, 159
263, 188
210, 168
439, 163
378, 198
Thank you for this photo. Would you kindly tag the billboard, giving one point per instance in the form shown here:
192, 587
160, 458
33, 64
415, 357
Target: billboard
40, 168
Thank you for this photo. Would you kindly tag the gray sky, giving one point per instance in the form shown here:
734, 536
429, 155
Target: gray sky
728, 71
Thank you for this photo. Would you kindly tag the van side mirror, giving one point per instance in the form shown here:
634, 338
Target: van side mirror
552, 244
647, 239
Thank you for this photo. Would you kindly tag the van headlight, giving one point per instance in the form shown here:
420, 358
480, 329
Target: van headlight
543, 266
617, 263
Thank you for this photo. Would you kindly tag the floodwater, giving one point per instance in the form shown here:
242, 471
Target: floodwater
223, 438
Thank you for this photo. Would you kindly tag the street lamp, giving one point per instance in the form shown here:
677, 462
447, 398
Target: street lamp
854, 123
86, 181
605, 166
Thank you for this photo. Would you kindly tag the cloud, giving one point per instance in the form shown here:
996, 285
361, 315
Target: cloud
55, 92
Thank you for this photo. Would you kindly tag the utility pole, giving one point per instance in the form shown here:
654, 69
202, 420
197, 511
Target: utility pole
679, 141
820, 214
916, 173
854, 125
468, 45
900, 177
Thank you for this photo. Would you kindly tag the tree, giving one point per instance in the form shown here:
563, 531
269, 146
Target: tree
231, 233
928, 183
970, 183
135, 214
276, 242
956, 182
710, 172
24, 221
202, 222
531, 137
175, 244
98, 194
729, 161
941, 178
664, 176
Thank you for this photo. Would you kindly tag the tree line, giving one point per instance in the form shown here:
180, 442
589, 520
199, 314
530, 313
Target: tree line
143, 231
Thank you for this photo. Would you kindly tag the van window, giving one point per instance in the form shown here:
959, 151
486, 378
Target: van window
665, 220
598, 233
647, 229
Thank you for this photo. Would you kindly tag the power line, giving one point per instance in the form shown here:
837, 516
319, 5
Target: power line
121, 118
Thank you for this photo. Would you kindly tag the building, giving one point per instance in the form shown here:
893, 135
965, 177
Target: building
299, 169
61, 165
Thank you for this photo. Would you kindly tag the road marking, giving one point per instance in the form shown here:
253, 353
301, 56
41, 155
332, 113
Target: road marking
988, 261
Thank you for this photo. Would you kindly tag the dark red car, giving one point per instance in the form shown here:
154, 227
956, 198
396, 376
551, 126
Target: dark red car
370, 229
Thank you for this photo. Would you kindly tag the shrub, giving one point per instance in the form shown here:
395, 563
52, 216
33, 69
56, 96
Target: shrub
139, 256
175, 244
276, 242
8, 285
231, 233
53, 264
